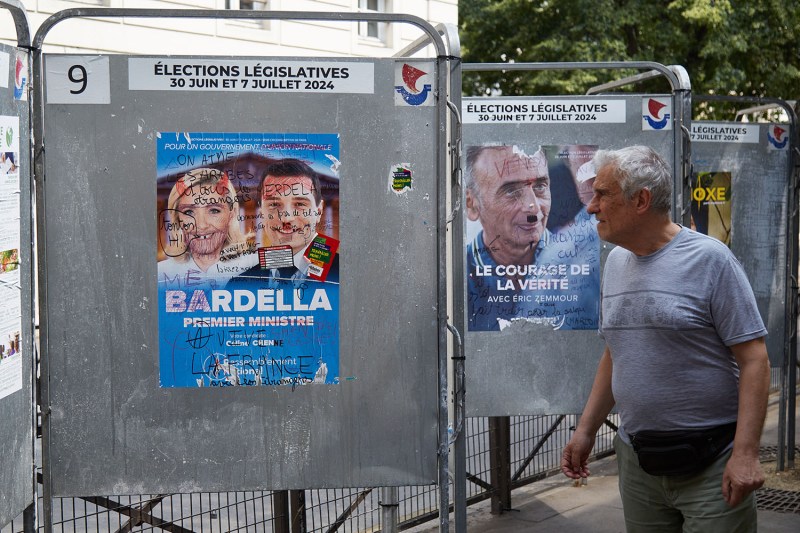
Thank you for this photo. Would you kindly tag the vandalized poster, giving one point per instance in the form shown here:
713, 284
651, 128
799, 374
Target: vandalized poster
711, 204
248, 269
532, 250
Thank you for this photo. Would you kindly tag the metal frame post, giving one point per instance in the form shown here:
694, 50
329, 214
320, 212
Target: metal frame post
389, 504
455, 423
297, 508
280, 511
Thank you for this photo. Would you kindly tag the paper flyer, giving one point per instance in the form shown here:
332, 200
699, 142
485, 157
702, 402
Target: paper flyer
10, 289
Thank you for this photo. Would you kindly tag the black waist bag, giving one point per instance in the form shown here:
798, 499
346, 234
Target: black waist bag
683, 452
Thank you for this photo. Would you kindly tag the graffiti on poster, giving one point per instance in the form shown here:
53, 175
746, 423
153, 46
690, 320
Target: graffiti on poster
711, 204
533, 253
248, 264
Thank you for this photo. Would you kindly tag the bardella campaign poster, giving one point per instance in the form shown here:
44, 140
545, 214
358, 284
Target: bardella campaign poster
532, 250
248, 270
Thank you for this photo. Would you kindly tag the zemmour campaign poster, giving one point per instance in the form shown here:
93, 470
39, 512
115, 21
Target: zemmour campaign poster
248, 268
532, 248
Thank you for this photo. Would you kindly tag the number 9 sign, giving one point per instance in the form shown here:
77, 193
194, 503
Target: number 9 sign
77, 80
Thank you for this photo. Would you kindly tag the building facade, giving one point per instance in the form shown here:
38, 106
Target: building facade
251, 37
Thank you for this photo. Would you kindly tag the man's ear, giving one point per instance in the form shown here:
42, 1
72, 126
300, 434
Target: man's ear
473, 209
643, 200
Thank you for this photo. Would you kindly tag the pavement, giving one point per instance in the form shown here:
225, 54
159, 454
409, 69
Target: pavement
556, 505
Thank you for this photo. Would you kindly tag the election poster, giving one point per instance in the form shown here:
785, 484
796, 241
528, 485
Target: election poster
10, 288
711, 204
248, 268
533, 254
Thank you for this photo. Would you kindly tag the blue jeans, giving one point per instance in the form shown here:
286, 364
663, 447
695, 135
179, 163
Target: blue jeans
675, 504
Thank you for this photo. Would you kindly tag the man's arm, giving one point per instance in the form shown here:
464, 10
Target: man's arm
743, 472
575, 456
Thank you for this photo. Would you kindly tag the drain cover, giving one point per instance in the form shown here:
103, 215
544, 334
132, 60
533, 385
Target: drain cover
782, 501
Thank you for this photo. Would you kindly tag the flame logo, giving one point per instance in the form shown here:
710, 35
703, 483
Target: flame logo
655, 107
411, 75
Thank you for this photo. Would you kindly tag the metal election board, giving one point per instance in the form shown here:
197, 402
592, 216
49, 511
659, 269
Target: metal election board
16, 317
739, 194
301, 384
543, 360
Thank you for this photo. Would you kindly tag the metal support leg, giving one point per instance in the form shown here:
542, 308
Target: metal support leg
390, 503
280, 511
297, 503
500, 462
29, 519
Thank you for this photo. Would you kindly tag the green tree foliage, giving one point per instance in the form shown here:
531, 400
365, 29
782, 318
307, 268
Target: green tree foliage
729, 47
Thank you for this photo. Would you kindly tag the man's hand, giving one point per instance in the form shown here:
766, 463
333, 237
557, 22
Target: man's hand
575, 457
742, 476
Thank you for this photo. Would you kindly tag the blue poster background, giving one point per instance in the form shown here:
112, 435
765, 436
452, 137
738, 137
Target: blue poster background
219, 326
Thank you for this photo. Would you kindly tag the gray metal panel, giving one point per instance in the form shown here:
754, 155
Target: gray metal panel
112, 429
531, 368
760, 178
16, 408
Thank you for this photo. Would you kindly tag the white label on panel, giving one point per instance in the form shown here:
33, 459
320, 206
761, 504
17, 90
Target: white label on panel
514, 111
724, 133
77, 80
231, 75
4, 72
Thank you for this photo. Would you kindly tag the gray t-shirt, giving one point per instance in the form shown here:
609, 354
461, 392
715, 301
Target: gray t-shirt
668, 319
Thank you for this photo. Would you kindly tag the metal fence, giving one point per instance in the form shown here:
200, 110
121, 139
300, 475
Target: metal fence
535, 447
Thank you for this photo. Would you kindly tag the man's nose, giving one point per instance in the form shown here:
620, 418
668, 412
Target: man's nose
530, 202
593, 206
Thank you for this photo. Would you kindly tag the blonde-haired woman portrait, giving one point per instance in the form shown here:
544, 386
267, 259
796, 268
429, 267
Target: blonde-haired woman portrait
200, 232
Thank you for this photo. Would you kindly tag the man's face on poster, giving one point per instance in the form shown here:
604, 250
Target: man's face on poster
290, 211
206, 217
511, 199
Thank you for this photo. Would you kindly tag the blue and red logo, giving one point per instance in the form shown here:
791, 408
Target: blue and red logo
778, 137
656, 113
20, 78
409, 90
